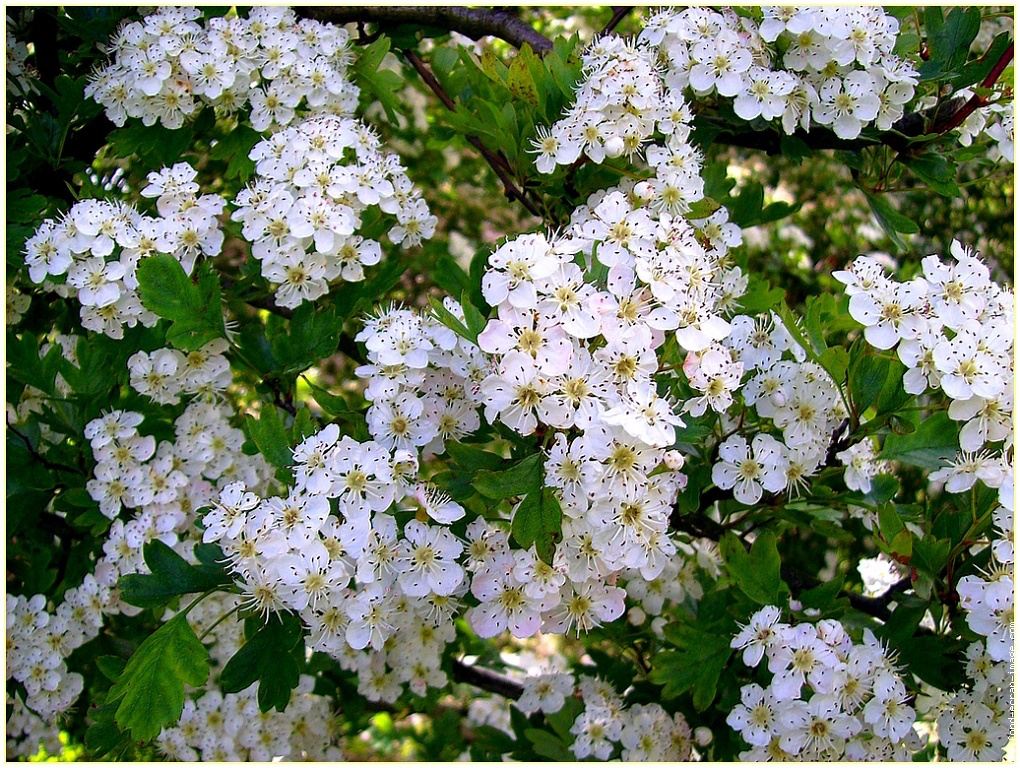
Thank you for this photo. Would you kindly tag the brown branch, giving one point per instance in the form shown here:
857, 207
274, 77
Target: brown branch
52, 465
976, 101
487, 680
619, 11
472, 22
496, 160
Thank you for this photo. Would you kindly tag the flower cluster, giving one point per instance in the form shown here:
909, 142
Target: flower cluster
977, 722
419, 380
829, 697
27, 731
171, 63
166, 374
644, 732
165, 483
800, 399
356, 580
38, 643
655, 598
96, 246
837, 69
314, 182
952, 327
621, 103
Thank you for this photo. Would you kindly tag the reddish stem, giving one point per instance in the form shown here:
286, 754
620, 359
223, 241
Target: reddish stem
976, 101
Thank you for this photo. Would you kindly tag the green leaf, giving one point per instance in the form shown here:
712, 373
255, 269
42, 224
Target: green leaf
493, 67
835, 361
332, 405
235, 147
450, 320
475, 320
756, 573
112, 667
171, 575
494, 741
976, 71
825, 596
536, 520
270, 436
155, 145
889, 523
548, 745
267, 657
563, 720
935, 170
949, 41
903, 623
523, 477
930, 446
470, 458
383, 84
303, 426
26, 208
449, 275
310, 336
26, 364
793, 148
935, 660
891, 220
875, 380
151, 688
703, 208
695, 667
195, 308
103, 739
931, 554
444, 59
519, 79
745, 208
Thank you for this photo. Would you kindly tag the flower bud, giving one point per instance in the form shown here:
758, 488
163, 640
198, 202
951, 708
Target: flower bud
614, 147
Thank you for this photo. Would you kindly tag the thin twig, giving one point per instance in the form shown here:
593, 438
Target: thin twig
619, 11
487, 680
496, 160
55, 466
976, 101
475, 23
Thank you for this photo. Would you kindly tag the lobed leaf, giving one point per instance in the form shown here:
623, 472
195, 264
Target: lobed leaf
151, 688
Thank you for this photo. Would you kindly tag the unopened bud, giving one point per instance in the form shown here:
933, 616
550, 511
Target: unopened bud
702, 736
673, 460
614, 147
636, 616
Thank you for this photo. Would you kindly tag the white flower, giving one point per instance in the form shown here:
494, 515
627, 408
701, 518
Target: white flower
545, 693
427, 561
847, 103
760, 635
749, 469
755, 715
